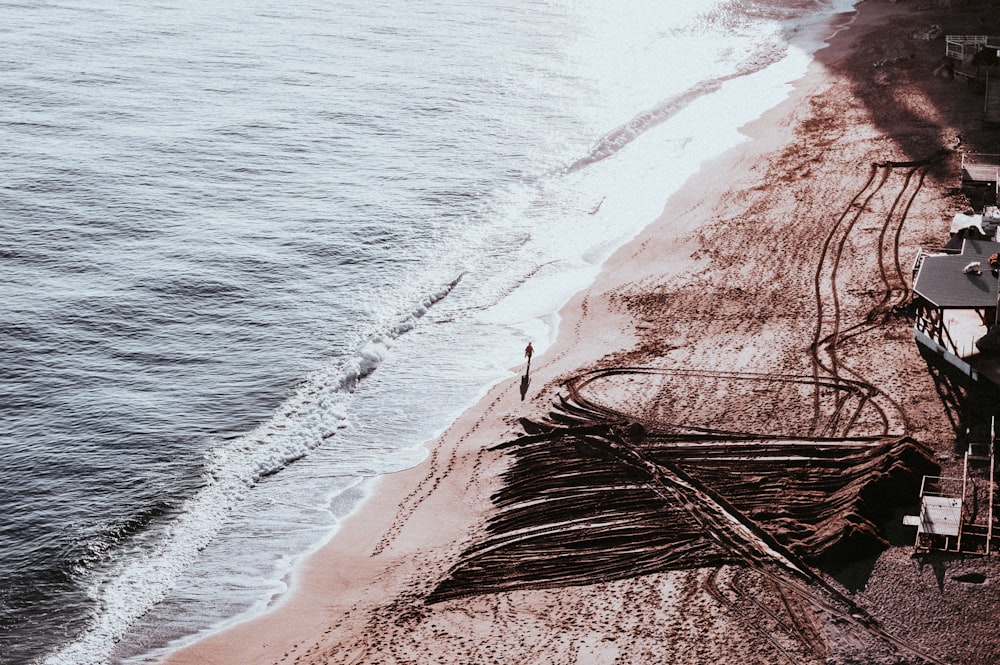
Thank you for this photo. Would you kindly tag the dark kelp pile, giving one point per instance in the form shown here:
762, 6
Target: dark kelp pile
599, 492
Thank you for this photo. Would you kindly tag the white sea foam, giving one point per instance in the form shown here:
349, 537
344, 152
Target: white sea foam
150, 570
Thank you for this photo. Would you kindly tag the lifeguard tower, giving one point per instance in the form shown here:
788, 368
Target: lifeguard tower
959, 514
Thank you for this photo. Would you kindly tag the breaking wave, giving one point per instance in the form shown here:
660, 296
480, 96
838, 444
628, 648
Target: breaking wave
317, 409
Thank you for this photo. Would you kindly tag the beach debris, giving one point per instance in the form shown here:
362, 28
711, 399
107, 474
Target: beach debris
946, 69
883, 62
610, 488
929, 34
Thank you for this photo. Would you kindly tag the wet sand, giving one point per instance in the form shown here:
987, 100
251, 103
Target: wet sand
786, 257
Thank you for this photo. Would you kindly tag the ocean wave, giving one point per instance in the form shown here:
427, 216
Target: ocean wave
763, 56
146, 573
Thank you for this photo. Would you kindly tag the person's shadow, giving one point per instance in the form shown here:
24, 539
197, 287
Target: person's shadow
526, 380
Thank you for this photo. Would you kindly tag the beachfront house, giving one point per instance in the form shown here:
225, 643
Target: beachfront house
956, 329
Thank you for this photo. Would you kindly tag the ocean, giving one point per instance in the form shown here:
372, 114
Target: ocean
256, 254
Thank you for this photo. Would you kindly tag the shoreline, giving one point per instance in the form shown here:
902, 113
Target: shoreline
683, 262
387, 493
353, 599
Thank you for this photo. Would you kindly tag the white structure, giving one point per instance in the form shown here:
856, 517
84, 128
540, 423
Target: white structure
985, 224
963, 47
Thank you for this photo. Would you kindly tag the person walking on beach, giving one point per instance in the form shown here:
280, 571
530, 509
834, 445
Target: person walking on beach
528, 350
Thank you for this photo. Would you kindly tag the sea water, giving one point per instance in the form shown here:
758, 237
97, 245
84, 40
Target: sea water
255, 254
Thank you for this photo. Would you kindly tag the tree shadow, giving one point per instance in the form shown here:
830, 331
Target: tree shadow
882, 60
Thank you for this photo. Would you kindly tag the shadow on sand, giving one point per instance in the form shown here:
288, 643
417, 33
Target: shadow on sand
526, 380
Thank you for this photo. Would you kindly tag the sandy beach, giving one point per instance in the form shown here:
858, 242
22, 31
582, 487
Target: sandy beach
758, 316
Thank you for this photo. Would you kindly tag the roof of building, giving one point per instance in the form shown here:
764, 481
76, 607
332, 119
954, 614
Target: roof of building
980, 172
943, 281
941, 515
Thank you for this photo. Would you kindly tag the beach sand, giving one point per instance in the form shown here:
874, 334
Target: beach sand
784, 257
